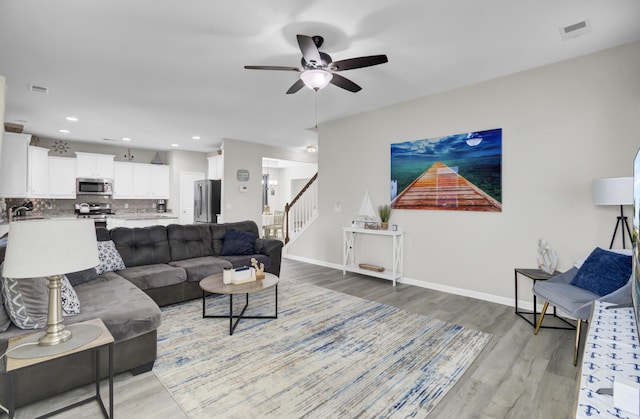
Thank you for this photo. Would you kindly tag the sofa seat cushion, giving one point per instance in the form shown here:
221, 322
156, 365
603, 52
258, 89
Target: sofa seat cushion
239, 261
199, 268
154, 276
126, 310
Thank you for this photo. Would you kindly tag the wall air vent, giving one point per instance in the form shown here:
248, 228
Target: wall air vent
38, 89
575, 30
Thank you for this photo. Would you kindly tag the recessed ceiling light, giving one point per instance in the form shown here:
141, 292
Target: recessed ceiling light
195, 137
312, 148
126, 139
64, 131
72, 118
175, 145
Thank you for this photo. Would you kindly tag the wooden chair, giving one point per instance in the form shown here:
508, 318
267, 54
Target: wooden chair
277, 226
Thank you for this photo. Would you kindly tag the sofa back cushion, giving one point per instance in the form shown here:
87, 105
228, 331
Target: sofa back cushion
219, 231
142, 246
189, 241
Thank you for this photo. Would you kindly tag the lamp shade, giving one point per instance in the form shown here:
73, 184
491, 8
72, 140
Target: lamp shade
38, 248
316, 79
613, 191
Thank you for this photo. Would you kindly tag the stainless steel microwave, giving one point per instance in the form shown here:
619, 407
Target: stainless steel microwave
85, 186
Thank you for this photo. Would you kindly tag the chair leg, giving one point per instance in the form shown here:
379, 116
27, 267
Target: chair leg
577, 347
544, 310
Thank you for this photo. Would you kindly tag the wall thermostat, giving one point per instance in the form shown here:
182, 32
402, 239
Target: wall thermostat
243, 188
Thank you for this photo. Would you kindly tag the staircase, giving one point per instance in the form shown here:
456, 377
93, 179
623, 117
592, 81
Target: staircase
302, 210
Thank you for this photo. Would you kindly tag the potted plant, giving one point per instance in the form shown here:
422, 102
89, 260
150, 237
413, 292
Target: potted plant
385, 213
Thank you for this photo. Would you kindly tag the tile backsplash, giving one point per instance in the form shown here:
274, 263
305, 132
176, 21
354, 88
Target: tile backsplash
61, 207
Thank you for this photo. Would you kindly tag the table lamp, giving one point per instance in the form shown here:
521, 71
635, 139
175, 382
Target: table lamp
615, 191
51, 248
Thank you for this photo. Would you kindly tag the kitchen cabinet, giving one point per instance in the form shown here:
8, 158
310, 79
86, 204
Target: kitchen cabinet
160, 181
140, 181
92, 165
38, 172
216, 167
62, 177
13, 165
122, 180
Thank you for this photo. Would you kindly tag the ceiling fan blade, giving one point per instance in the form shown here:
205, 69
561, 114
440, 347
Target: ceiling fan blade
295, 87
345, 83
309, 50
359, 62
271, 67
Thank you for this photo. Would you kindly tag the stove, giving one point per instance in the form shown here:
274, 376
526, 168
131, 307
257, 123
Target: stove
98, 211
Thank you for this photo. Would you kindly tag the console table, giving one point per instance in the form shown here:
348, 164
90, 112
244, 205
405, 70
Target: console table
610, 351
349, 236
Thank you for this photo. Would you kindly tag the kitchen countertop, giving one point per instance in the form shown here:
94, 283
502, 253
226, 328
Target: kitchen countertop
145, 216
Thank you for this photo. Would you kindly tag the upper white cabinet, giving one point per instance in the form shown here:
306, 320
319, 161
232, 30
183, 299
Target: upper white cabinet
92, 165
216, 167
122, 180
140, 181
38, 172
160, 181
62, 177
13, 165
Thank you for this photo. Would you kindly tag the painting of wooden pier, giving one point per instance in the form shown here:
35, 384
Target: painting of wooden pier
441, 187
461, 172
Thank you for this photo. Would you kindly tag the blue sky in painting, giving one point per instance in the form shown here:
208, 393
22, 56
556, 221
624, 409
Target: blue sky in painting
452, 146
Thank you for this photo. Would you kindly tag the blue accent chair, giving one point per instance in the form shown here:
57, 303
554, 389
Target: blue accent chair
574, 301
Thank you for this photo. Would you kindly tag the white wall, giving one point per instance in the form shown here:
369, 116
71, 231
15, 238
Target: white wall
244, 155
183, 161
3, 99
563, 126
285, 176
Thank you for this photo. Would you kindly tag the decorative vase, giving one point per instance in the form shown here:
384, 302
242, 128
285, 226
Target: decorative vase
384, 226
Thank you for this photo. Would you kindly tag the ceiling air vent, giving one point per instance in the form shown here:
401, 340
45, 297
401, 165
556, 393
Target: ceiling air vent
38, 89
111, 140
576, 30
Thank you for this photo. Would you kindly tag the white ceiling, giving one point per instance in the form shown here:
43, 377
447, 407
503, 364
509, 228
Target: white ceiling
161, 72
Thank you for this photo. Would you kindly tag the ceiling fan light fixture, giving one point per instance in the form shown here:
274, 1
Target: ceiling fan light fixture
316, 79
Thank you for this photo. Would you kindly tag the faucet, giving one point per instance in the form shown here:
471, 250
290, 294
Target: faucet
13, 211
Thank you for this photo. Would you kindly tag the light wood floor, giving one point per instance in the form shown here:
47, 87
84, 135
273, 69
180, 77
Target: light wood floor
518, 375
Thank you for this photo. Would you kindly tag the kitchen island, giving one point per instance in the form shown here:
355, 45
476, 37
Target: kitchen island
142, 220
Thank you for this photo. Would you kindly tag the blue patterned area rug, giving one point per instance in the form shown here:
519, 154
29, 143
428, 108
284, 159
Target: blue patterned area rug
327, 355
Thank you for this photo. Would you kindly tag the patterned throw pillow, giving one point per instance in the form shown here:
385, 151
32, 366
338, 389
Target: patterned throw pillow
27, 300
70, 301
110, 259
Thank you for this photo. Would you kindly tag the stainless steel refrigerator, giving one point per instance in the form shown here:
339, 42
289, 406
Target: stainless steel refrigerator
207, 196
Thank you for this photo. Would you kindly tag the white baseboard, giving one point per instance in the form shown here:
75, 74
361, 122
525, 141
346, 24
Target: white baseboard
522, 305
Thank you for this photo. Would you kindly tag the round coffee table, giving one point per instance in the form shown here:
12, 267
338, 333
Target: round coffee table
213, 285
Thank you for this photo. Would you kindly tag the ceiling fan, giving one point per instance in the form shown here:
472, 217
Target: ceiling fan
317, 68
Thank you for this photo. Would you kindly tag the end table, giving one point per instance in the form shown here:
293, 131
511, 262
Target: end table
104, 340
536, 275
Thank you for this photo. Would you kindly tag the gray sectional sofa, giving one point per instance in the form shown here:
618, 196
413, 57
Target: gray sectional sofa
163, 265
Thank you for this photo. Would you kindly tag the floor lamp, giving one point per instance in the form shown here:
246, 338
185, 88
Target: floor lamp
51, 248
615, 191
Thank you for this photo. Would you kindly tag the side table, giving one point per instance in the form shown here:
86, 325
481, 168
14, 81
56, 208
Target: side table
104, 339
535, 275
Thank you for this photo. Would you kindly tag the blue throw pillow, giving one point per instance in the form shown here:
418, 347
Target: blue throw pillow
603, 272
238, 242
